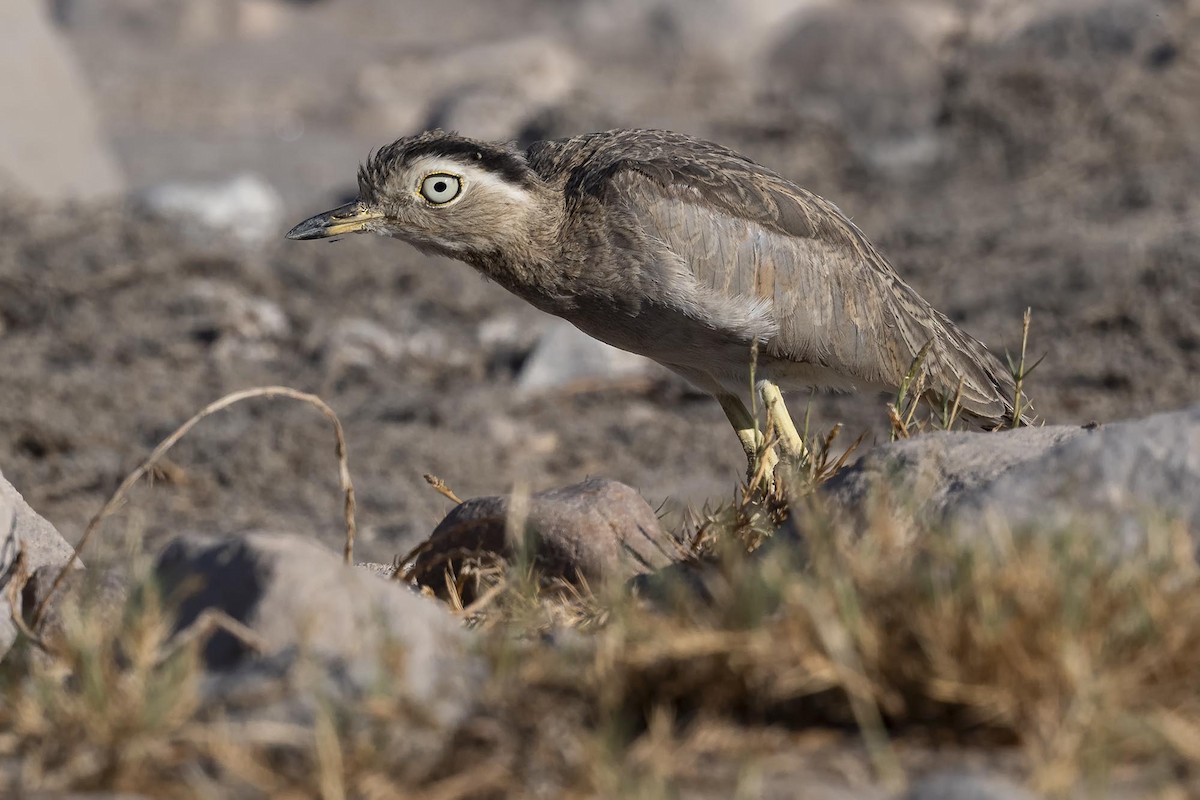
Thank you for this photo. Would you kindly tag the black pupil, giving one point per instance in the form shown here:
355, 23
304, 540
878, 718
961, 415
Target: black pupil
440, 186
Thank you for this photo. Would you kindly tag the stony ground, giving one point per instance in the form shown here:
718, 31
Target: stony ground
1002, 160
1005, 155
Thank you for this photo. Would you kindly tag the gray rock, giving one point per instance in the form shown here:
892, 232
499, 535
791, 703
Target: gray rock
565, 355
9, 548
1122, 474
181, 24
239, 326
23, 529
508, 339
356, 343
377, 568
99, 596
301, 601
1031, 72
51, 146
84, 796
724, 31
283, 697
1079, 32
875, 71
244, 209
489, 91
600, 529
9, 544
966, 786
929, 474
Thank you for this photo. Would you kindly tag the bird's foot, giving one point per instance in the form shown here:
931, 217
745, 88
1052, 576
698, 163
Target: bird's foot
778, 418
760, 471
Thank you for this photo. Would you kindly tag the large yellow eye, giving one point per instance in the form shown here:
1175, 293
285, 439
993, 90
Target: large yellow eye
440, 188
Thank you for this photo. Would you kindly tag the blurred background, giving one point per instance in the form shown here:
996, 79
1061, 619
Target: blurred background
1003, 153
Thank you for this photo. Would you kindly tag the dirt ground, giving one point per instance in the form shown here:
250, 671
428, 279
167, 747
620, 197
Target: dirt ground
1052, 168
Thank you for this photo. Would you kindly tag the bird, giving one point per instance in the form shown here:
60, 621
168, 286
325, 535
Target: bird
684, 251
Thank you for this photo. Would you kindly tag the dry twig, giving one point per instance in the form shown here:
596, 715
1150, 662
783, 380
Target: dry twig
442, 489
146, 466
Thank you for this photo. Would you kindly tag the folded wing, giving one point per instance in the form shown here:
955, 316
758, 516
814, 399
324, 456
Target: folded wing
746, 232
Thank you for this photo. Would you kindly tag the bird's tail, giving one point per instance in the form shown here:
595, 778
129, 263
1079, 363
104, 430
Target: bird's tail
963, 372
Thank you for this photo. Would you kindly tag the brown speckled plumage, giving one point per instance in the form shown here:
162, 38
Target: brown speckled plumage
686, 252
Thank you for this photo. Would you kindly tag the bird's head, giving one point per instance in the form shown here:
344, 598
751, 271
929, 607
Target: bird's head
443, 193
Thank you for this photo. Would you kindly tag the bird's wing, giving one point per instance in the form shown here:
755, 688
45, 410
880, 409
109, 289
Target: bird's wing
745, 231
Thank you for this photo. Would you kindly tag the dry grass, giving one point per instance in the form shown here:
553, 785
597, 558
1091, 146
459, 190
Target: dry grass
152, 462
1027, 640
1030, 642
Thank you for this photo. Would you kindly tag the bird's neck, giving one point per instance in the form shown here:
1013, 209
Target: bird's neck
529, 259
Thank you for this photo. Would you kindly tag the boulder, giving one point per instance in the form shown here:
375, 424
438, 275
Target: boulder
928, 475
301, 601
1123, 476
725, 32
565, 356
358, 343
51, 146
957, 785
1036, 77
23, 530
874, 71
99, 596
244, 209
599, 529
488, 91
236, 324
1081, 33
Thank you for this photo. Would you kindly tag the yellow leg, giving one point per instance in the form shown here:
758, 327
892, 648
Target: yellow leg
789, 437
743, 422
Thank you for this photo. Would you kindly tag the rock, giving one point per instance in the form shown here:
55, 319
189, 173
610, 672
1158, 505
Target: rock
235, 323
507, 340
244, 209
362, 343
873, 70
1032, 74
282, 692
97, 596
10, 546
529, 438
298, 598
966, 786
600, 529
1121, 475
83, 796
636, 30
181, 24
489, 91
359, 343
929, 474
1080, 32
565, 355
51, 146
23, 530
377, 568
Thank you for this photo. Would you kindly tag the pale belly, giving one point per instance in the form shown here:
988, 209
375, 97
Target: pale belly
715, 359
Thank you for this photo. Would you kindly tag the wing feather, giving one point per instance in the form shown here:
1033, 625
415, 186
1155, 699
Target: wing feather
746, 233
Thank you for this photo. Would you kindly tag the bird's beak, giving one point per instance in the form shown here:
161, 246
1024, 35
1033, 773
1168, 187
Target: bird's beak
350, 218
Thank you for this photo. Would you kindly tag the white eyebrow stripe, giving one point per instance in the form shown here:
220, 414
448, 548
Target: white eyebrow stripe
473, 177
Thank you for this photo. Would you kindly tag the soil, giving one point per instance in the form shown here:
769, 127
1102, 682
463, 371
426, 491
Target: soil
1052, 180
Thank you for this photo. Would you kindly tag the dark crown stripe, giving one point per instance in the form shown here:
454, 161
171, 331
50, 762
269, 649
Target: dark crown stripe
497, 159
504, 163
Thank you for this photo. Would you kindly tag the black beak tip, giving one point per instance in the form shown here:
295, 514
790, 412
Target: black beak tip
309, 229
